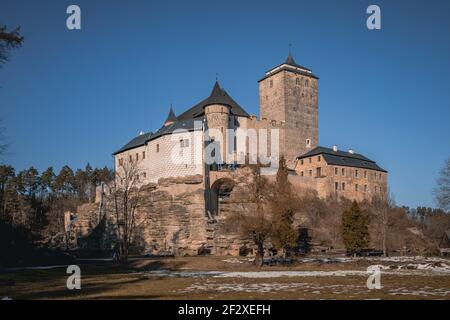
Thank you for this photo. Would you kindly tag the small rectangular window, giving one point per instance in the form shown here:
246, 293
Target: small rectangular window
336, 171
356, 187
308, 143
343, 171
145, 175
365, 188
137, 156
301, 173
143, 154
318, 158
131, 158
157, 147
120, 162
318, 172
336, 186
365, 174
343, 186
301, 162
310, 160
310, 173
271, 83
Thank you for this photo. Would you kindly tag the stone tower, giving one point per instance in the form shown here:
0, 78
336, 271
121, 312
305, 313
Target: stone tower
288, 94
217, 114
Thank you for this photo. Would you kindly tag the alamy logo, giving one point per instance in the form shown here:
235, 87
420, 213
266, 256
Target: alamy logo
73, 21
374, 280
74, 280
374, 20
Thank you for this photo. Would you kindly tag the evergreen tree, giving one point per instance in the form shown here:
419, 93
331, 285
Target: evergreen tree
355, 229
283, 202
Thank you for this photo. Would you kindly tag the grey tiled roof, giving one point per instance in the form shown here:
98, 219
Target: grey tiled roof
188, 119
290, 62
342, 158
218, 96
141, 140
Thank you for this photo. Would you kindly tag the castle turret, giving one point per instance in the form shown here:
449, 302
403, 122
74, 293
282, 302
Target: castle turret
171, 118
217, 114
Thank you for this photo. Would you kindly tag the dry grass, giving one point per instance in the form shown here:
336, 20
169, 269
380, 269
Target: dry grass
106, 282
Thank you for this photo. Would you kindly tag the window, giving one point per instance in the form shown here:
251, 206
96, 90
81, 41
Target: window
120, 162
157, 147
318, 172
365, 188
184, 143
310, 160
318, 158
343, 186
143, 154
356, 173
131, 158
137, 156
376, 188
308, 143
356, 187
336, 186
307, 83
310, 173
343, 171
336, 171
301, 173
145, 175
297, 80
137, 177
301, 162
365, 174
271, 83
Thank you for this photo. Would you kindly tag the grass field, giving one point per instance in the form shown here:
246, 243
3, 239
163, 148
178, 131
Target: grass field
235, 278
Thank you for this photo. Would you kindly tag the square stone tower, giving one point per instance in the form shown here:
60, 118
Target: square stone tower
288, 95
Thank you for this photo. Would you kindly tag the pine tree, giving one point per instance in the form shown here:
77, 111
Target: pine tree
355, 229
283, 202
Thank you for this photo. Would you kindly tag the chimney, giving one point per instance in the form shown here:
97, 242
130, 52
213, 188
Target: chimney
335, 149
141, 133
351, 151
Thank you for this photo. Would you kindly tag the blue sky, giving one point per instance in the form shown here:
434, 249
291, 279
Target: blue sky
72, 97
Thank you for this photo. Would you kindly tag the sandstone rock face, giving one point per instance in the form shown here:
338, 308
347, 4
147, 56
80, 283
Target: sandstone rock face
172, 219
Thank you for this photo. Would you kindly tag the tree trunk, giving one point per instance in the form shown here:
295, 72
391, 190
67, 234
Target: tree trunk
123, 253
259, 259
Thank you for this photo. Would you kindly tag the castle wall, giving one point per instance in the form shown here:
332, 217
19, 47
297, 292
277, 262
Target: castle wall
164, 157
369, 183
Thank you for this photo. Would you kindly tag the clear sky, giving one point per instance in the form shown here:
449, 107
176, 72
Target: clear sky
72, 97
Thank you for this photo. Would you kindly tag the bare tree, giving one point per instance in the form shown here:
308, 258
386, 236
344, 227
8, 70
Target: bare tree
442, 190
256, 222
125, 193
8, 40
382, 206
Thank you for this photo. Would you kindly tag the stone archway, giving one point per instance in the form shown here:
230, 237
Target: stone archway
219, 196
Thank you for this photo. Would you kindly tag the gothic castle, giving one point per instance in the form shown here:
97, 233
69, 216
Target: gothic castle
194, 170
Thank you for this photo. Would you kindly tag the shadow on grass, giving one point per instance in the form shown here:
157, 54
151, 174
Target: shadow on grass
88, 291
